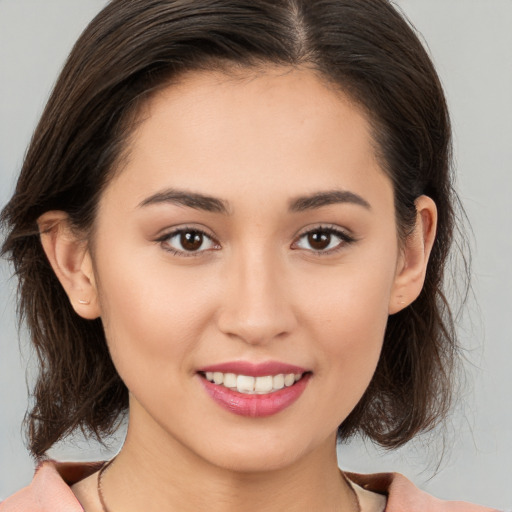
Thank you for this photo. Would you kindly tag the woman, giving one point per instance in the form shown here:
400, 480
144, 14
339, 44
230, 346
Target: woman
232, 225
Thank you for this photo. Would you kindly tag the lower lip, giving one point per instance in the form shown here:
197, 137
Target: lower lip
255, 406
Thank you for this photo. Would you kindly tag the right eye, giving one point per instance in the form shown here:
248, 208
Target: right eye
187, 242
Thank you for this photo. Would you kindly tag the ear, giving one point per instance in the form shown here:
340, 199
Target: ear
412, 265
70, 259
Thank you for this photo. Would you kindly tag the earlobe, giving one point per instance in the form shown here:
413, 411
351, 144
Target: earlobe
70, 259
416, 251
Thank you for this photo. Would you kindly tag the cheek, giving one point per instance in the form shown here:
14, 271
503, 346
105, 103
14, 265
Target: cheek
348, 320
351, 336
354, 302
350, 339
150, 313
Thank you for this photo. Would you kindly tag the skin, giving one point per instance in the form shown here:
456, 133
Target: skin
258, 291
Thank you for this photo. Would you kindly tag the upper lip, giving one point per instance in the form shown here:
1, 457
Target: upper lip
254, 369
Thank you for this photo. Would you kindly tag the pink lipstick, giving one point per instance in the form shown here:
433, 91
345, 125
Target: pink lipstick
254, 390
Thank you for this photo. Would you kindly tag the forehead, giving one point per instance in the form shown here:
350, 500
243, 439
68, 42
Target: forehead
269, 95
250, 130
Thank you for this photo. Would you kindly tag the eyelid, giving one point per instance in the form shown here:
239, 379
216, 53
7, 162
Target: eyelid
342, 234
346, 238
172, 232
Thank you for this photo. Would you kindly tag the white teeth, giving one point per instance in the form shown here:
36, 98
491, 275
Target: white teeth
263, 384
253, 385
245, 384
229, 380
278, 381
289, 379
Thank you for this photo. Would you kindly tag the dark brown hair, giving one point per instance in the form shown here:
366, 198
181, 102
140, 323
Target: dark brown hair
133, 47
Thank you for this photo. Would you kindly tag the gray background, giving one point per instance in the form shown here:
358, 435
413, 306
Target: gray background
471, 44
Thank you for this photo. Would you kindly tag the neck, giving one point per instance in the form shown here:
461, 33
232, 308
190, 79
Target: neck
165, 475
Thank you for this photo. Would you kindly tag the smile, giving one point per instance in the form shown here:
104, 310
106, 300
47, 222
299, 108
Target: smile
254, 390
250, 385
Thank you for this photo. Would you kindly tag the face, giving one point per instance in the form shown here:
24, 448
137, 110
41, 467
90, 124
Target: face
248, 243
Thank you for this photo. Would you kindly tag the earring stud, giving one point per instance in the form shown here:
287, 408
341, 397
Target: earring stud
85, 302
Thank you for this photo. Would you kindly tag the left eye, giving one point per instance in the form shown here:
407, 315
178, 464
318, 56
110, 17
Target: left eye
188, 241
322, 240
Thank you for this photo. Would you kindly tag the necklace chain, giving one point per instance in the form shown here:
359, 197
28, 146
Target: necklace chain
105, 466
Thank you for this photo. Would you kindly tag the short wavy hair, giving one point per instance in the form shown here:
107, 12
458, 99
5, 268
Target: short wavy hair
132, 48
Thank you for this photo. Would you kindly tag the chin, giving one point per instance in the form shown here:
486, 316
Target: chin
259, 456
257, 462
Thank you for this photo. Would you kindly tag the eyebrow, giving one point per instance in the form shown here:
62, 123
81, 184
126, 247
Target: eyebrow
320, 199
215, 205
189, 199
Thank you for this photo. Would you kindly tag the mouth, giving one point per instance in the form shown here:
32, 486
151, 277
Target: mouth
254, 390
250, 385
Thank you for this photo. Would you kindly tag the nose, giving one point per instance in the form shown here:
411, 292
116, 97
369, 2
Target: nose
257, 306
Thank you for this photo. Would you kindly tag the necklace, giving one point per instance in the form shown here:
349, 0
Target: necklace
100, 482
107, 465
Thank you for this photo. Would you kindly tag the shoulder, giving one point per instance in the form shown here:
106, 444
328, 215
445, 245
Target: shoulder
50, 489
404, 496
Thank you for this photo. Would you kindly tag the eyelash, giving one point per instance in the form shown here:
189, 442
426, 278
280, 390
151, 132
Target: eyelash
164, 241
344, 239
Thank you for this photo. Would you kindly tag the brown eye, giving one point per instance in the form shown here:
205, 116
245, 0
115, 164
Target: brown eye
191, 240
323, 240
319, 240
187, 241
